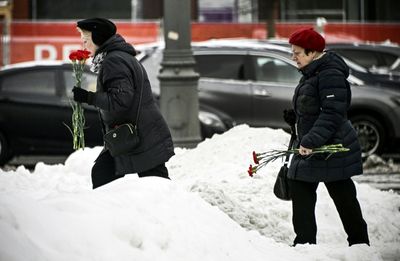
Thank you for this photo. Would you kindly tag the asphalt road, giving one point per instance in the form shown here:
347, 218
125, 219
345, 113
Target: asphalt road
382, 181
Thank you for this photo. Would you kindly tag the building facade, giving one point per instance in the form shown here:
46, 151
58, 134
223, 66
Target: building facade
214, 11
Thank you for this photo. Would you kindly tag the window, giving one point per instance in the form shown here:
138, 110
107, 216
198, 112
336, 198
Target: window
371, 59
31, 82
221, 66
396, 66
389, 59
366, 59
274, 70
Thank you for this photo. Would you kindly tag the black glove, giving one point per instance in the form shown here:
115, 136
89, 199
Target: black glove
82, 95
290, 117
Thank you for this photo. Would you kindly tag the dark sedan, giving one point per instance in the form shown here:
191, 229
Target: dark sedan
35, 111
377, 64
253, 82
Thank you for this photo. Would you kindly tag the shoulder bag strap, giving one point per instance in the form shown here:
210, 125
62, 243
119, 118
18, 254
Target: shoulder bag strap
292, 137
141, 94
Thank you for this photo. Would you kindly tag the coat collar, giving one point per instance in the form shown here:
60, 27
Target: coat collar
329, 60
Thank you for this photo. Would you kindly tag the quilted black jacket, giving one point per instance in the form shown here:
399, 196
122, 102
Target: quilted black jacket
117, 97
321, 101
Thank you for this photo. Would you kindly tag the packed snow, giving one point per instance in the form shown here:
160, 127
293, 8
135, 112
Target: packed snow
209, 210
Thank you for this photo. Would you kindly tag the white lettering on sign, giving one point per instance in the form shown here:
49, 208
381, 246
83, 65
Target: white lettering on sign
49, 51
45, 52
68, 48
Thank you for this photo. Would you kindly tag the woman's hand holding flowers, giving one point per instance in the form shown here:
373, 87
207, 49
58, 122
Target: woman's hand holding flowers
304, 151
82, 95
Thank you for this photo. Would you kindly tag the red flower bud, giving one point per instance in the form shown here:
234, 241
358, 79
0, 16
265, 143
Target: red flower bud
250, 171
255, 158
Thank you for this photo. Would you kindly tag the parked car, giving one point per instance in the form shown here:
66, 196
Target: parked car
35, 110
253, 82
374, 63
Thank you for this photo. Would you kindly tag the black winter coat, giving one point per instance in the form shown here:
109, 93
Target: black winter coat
117, 98
321, 101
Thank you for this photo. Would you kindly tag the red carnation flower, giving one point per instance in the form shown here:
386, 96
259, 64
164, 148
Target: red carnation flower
83, 54
250, 171
255, 158
73, 56
80, 55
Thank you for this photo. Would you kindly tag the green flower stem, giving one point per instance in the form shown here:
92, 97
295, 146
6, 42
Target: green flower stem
269, 156
78, 123
78, 116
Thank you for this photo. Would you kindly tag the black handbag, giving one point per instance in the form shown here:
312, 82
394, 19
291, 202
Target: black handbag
281, 186
123, 138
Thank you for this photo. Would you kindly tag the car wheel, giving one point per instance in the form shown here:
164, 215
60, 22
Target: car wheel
371, 134
5, 155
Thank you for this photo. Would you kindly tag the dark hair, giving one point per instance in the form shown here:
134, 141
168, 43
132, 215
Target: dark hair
307, 51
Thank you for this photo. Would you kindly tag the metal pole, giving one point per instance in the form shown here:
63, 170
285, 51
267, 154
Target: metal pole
6, 11
362, 11
178, 80
34, 10
136, 10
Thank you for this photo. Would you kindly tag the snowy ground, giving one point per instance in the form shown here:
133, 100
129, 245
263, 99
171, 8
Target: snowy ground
210, 210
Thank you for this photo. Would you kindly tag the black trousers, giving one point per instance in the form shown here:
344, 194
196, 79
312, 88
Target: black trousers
103, 171
344, 195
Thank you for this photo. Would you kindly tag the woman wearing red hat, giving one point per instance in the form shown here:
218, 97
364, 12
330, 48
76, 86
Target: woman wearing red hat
320, 104
123, 89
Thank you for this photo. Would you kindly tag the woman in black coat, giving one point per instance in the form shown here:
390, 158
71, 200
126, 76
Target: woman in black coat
121, 79
320, 103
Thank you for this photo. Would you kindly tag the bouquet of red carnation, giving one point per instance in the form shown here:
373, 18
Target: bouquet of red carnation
263, 158
78, 59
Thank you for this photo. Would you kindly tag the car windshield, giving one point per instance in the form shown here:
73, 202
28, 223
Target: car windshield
379, 62
396, 66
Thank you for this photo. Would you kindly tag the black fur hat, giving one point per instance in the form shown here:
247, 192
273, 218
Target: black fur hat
101, 28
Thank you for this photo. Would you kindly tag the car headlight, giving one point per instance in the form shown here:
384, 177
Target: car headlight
211, 119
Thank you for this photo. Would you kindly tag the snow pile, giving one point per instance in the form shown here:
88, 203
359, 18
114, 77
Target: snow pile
210, 210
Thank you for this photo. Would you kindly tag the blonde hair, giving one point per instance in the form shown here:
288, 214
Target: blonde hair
86, 37
84, 33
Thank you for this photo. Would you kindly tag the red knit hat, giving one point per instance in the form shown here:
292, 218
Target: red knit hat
308, 39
